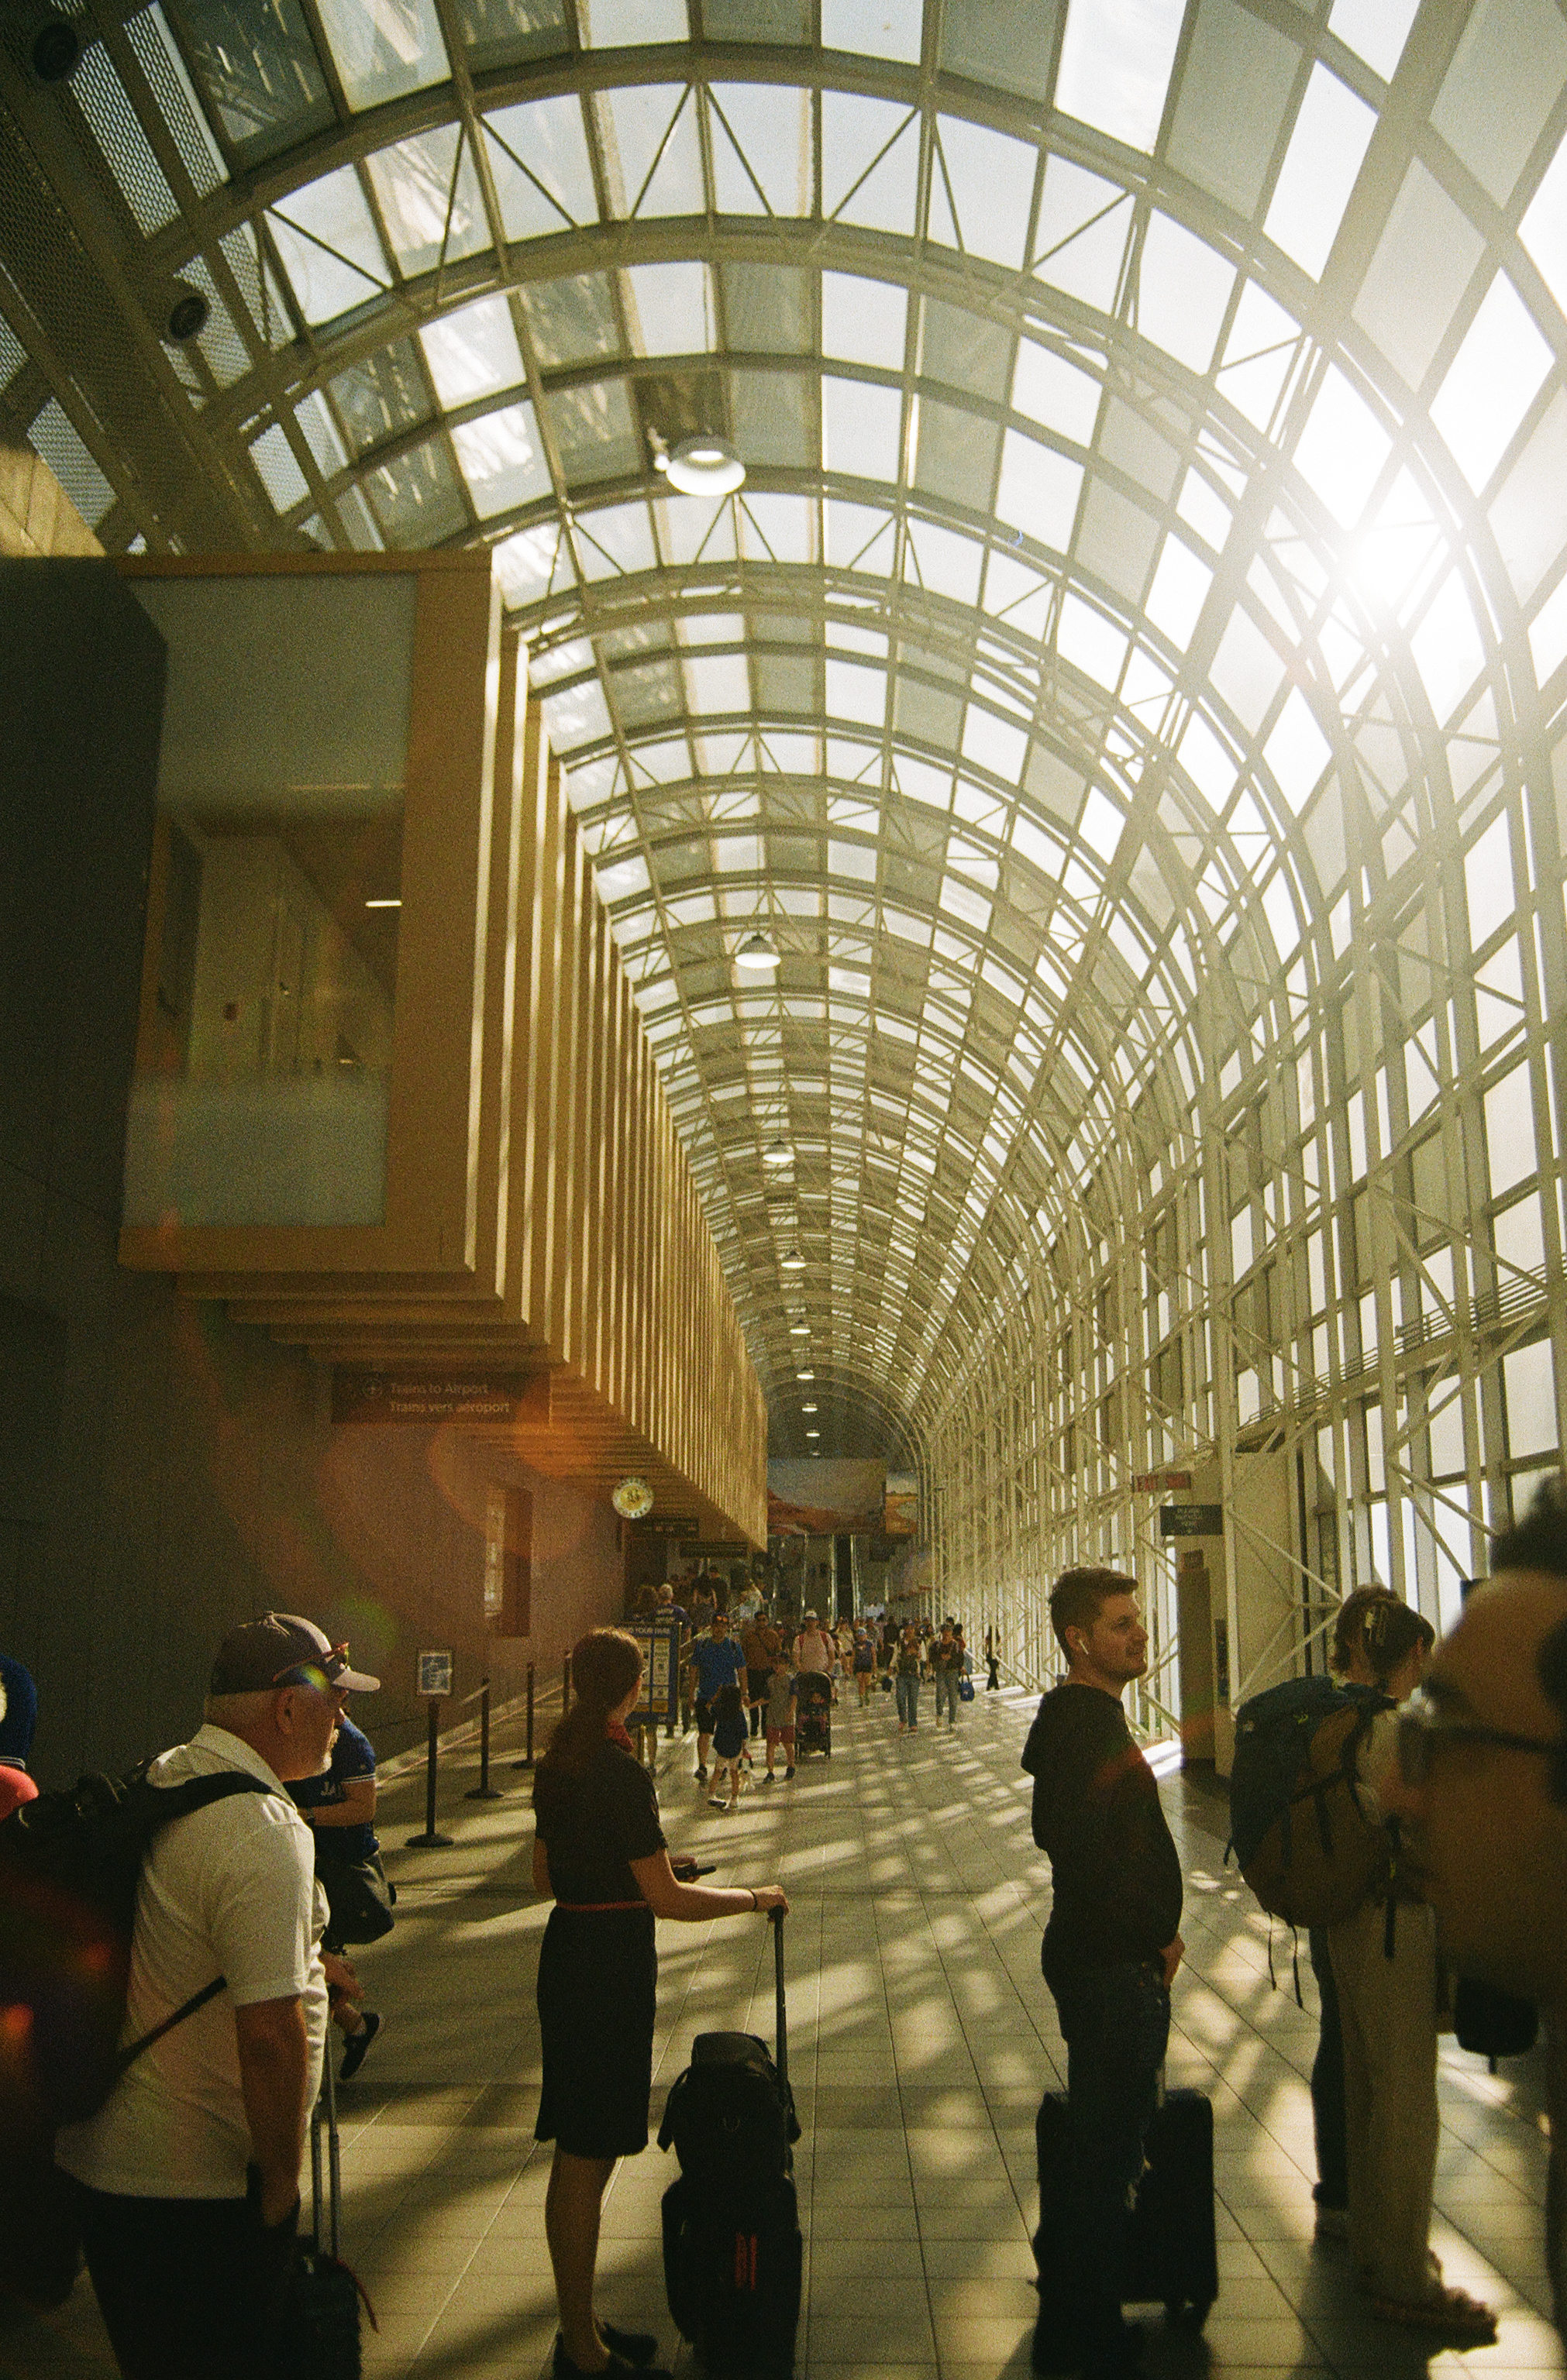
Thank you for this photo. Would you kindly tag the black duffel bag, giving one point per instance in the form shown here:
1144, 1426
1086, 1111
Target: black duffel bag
1493, 2023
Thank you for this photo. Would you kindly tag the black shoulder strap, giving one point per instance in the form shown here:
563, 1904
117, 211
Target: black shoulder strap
194, 1793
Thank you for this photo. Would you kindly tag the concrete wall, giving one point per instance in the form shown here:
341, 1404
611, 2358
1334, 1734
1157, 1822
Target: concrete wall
163, 1471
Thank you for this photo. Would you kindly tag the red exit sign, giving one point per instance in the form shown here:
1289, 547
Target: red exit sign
1155, 1483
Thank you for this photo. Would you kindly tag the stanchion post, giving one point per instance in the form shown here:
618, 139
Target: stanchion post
526, 1760
484, 1790
566, 1685
436, 1683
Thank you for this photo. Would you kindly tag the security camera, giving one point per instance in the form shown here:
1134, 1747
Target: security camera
53, 45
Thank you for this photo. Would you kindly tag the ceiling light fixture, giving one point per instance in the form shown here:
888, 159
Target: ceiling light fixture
791, 1261
805, 1376
383, 904
799, 1329
778, 1152
756, 953
704, 466
808, 1408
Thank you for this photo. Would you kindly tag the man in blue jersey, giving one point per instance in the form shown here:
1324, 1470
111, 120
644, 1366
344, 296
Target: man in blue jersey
716, 1661
339, 1808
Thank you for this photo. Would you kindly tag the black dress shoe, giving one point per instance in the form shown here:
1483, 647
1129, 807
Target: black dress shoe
636, 2346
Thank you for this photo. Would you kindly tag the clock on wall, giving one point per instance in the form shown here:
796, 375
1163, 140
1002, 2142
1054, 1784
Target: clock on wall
632, 1500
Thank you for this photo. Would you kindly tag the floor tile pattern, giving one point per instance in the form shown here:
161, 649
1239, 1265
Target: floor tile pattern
921, 2037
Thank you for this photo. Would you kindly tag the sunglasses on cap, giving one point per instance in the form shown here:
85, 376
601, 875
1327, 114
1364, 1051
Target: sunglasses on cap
322, 1675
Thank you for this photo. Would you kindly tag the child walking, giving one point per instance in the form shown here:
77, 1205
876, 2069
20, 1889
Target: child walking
780, 1717
729, 1736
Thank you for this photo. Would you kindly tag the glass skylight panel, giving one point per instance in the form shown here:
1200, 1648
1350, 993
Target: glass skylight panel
653, 150
1054, 393
383, 48
1179, 590
1115, 62
1423, 264
381, 395
1491, 383
1236, 85
416, 498
1246, 670
314, 418
619, 539
1505, 78
1081, 236
473, 352
503, 460
1327, 149
873, 29
543, 175
991, 179
1544, 228
421, 211
863, 321
670, 309
760, 138
1257, 354
530, 563
277, 467
1375, 30
944, 562
1298, 751
718, 682
260, 76
54, 436
869, 162
1343, 448
861, 429
500, 32
616, 24
1038, 489
594, 432
328, 246
1183, 287
571, 320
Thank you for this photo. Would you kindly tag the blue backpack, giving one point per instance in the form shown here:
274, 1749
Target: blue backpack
1298, 1826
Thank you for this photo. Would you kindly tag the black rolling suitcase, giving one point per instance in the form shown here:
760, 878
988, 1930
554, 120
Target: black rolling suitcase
320, 2329
1172, 2255
732, 2247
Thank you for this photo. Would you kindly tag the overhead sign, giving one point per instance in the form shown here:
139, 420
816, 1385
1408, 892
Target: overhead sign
1191, 1521
363, 1395
1160, 1483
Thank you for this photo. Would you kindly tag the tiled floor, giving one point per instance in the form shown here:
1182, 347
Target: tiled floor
921, 2036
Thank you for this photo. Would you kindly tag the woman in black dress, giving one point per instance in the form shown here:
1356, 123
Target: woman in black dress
600, 1852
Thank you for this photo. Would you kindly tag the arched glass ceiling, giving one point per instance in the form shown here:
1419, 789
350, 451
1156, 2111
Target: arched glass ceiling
1150, 558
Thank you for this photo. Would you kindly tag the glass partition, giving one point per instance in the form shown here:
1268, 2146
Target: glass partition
260, 1094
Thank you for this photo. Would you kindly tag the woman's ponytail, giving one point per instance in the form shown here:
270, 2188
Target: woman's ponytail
605, 1665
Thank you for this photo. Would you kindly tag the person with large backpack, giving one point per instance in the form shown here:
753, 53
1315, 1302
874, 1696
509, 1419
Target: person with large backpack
183, 2168
1384, 1960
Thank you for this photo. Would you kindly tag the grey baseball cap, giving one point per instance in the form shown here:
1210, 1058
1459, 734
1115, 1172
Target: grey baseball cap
282, 1649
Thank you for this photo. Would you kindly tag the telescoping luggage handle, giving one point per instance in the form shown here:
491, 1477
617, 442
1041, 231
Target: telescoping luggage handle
780, 2014
325, 2116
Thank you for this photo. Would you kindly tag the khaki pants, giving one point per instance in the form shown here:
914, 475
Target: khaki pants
1387, 2016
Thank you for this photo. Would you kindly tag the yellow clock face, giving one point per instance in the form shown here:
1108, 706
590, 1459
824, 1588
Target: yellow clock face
632, 1499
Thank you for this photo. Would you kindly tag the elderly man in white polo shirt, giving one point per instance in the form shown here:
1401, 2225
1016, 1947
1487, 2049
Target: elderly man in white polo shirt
187, 2178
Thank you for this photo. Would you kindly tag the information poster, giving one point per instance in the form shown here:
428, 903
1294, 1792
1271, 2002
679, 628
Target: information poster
660, 1640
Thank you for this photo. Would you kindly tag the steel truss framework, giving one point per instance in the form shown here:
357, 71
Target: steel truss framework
1127, 689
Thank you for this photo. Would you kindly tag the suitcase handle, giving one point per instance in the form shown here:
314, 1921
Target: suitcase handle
780, 2013
323, 2117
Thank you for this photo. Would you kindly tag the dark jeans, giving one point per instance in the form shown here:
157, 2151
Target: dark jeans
189, 2288
1116, 2023
1327, 2118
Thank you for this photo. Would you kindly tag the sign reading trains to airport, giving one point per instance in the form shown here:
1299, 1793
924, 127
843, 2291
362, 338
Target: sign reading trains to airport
900, 1510
360, 1394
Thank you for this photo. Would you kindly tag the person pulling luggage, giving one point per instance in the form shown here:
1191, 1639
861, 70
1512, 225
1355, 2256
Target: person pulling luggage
600, 1852
1109, 1955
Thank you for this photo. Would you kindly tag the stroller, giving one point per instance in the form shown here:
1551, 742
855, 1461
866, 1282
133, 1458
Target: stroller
813, 1715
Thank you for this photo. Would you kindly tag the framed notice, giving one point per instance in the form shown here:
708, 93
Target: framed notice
435, 1672
660, 1640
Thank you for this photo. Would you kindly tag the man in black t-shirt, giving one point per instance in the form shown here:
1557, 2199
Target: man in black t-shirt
1109, 1955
